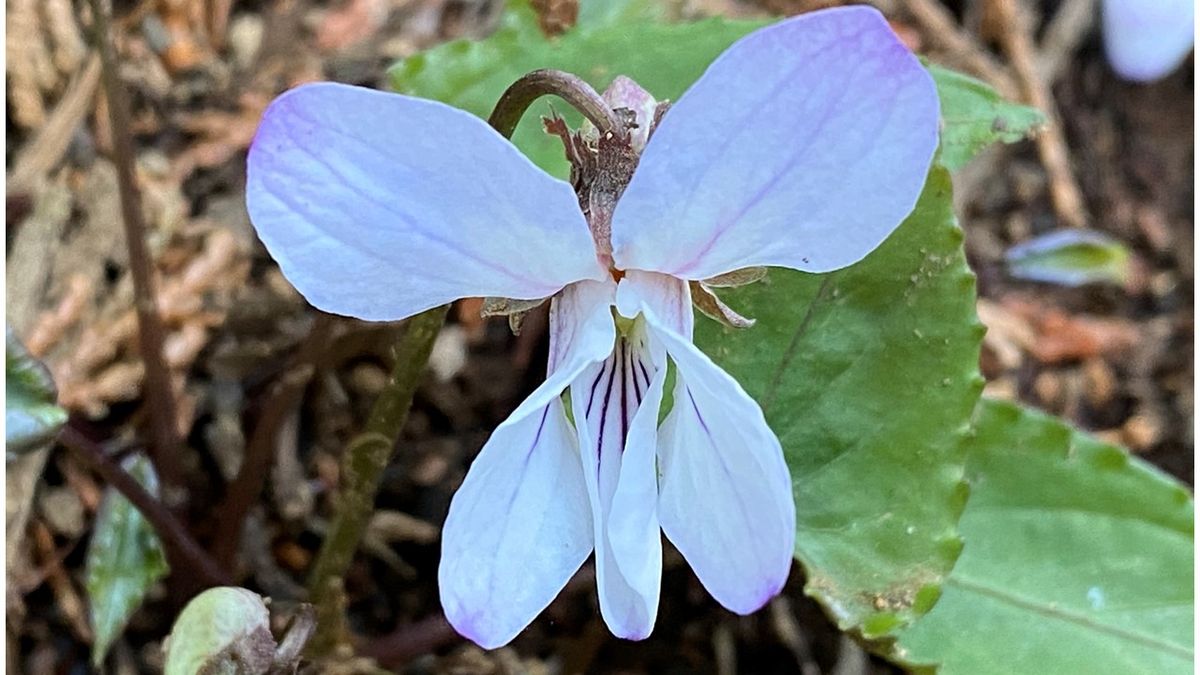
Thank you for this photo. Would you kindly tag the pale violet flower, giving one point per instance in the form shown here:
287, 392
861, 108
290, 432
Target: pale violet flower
803, 146
1147, 39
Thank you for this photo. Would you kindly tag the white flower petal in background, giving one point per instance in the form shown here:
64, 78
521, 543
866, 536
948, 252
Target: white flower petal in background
1147, 39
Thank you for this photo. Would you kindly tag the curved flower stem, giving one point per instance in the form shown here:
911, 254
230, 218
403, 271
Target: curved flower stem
283, 397
363, 463
570, 88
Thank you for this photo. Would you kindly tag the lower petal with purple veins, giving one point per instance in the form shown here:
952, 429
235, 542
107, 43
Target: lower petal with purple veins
615, 405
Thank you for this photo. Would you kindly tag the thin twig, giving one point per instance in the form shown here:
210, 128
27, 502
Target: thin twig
411, 640
1017, 40
158, 396
41, 154
939, 25
521, 94
284, 395
182, 548
1065, 32
363, 463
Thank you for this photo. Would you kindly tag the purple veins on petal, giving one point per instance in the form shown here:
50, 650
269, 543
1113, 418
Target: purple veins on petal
616, 426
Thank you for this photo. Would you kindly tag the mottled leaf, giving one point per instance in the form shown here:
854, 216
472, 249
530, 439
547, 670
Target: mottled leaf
31, 418
124, 559
1078, 559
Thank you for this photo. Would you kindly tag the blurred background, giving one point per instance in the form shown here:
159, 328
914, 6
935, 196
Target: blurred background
257, 373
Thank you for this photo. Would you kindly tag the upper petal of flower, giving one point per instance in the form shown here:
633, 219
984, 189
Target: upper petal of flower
725, 496
803, 145
379, 206
1147, 39
518, 528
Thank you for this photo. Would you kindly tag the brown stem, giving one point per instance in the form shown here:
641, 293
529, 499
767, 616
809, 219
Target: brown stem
410, 641
942, 28
421, 637
284, 395
570, 88
363, 463
187, 557
159, 398
1017, 41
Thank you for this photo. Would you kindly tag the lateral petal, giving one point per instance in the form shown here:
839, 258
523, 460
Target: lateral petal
379, 205
518, 529
803, 145
725, 497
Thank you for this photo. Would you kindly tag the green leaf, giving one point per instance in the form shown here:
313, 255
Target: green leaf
222, 630
31, 418
974, 116
124, 559
1078, 559
868, 375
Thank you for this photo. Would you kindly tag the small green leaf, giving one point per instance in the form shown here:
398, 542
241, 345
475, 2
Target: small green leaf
869, 376
1078, 559
124, 559
974, 116
222, 630
1071, 257
31, 418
